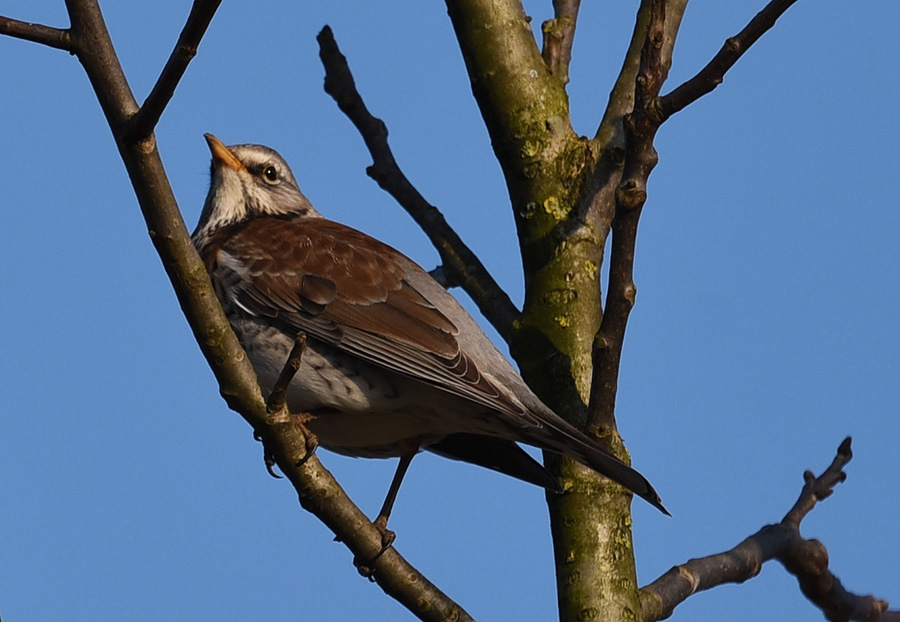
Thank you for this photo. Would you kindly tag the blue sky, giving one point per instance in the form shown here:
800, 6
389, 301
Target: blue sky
766, 328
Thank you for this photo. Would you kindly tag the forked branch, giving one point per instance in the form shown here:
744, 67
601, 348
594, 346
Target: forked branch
649, 113
805, 559
202, 12
713, 73
319, 493
641, 126
460, 265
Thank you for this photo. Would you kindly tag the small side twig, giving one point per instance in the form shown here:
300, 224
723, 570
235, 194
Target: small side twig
713, 73
559, 35
805, 559
198, 20
53, 37
275, 405
277, 409
816, 489
461, 266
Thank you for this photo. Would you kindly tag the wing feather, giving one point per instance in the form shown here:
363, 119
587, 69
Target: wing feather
351, 291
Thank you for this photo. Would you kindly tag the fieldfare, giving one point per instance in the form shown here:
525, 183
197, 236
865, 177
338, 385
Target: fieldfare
393, 364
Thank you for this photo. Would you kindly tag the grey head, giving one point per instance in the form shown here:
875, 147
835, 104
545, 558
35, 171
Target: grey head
247, 181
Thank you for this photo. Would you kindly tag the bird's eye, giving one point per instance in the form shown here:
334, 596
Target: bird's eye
270, 174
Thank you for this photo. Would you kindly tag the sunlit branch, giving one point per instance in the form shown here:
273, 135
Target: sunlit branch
559, 35
45, 35
460, 265
713, 73
805, 559
198, 20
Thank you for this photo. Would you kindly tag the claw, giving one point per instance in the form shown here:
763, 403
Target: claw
268, 457
312, 442
387, 536
387, 539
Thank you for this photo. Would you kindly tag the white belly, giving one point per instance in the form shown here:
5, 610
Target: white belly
359, 409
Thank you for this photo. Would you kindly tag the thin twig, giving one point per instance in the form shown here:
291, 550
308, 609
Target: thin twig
640, 158
609, 141
276, 402
713, 73
559, 35
805, 559
461, 266
816, 489
202, 12
650, 111
45, 35
621, 98
276, 405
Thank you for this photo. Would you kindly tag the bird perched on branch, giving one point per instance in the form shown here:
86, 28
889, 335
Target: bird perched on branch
393, 364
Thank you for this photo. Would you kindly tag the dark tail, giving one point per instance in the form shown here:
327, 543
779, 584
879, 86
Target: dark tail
497, 454
619, 472
560, 437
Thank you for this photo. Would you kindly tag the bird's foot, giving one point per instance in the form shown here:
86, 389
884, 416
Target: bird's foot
268, 456
312, 441
387, 539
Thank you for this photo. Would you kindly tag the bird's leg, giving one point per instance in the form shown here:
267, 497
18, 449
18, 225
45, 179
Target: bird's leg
381, 521
387, 537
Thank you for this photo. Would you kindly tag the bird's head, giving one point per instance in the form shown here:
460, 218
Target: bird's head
248, 181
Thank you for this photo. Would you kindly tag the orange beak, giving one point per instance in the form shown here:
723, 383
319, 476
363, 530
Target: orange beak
221, 154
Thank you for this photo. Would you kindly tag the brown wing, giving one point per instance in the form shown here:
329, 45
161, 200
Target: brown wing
350, 291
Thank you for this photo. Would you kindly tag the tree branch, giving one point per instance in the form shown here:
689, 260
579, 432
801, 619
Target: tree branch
292, 447
45, 35
202, 12
460, 265
319, 493
713, 73
559, 35
278, 397
805, 559
610, 133
609, 141
641, 126
525, 110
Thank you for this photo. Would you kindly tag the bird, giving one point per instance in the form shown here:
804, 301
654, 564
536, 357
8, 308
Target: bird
392, 365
